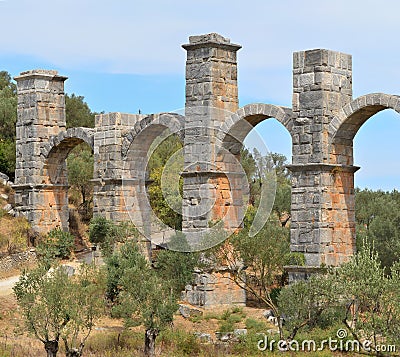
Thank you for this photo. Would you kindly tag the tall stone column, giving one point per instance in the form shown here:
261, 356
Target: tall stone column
40, 195
209, 187
211, 96
322, 191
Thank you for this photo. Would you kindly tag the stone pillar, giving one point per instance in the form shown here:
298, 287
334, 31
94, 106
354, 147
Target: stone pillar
211, 96
40, 196
210, 179
322, 191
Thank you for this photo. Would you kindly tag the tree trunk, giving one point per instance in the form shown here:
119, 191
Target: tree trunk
51, 348
150, 342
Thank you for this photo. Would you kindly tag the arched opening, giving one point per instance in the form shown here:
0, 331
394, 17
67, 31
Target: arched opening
66, 196
372, 209
248, 138
263, 199
148, 148
377, 186
375, 148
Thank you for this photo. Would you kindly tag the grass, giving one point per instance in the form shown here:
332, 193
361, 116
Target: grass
255, 325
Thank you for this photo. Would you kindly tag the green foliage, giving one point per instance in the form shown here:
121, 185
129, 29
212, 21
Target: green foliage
8, 106
176, 266
264, 256
358, 294
165, 147
99, 229
7, 157
116, 264
56, 306
165, 192
42, 298
226, 326
143, 297
373, 296
80, 173
255, 325
260, 170
78, 112
106, 233
378, 222
180, 343
8, 118
248, 163
56, 244
86, 291
305, 302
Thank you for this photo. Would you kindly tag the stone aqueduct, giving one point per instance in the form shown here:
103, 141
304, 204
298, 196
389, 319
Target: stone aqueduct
322, 122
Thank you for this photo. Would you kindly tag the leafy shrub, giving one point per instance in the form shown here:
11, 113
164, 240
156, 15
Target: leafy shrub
106, 233
181, 342
226, 326
255, 326
56, 244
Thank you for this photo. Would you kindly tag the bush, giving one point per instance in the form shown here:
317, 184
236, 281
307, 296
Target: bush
106, 233
255, 326
56, 244
226, 326
181, 342
177, 266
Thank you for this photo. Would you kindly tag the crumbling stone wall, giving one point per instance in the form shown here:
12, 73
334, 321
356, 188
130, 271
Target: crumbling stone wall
16, 261
322, 123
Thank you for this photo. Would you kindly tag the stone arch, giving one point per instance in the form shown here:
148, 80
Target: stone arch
52, 189
154, 125
351, 117
136, 150
254, 114
57, 149
231, 183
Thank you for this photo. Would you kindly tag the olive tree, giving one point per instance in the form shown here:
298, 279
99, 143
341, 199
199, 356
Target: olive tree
142, 297
55, 305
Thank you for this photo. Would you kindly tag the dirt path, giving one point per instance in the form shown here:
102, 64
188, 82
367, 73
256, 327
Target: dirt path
6, 285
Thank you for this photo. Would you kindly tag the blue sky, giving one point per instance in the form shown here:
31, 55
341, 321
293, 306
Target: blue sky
125, 55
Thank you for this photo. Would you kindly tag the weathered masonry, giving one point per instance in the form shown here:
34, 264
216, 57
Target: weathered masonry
322, 122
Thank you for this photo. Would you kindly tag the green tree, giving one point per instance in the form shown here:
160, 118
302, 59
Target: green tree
373, 297
256, 263
358, 294
248, 163
56, 306
80, 173
8, 118
77, 112
176, 266
106, 233
165, 192
57, 244
378, 222
144, 298
86, 291
307, 303
42, 299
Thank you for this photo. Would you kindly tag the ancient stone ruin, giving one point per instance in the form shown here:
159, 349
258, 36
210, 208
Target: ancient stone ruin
322, 122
